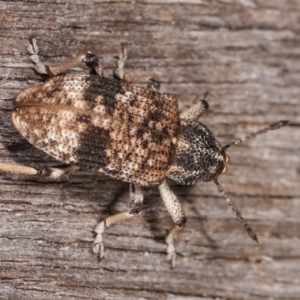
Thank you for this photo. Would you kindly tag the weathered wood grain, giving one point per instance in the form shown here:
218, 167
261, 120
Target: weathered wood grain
246, 53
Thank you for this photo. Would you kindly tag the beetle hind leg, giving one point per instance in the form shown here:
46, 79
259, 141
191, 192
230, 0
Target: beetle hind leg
51, 71
49, 172
90, 59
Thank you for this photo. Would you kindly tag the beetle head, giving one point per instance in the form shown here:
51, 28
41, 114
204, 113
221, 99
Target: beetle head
198, 157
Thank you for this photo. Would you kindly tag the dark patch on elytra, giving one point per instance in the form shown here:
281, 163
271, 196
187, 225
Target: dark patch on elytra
68, 102
143, 166
140, 132
52, 90
105, 87
145, 123
127, 156
144, 144
84, 118
52, 143
158, 136
93, 142
133, 99
172, 153
165, 130
155, 115
158, 103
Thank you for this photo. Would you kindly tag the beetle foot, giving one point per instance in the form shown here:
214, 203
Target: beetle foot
98, 247
120, 72
33, 51
171, 251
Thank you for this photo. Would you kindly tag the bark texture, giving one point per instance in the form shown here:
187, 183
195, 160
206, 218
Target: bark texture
246, 53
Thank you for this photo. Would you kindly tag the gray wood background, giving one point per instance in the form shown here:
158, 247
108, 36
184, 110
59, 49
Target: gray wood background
246, 53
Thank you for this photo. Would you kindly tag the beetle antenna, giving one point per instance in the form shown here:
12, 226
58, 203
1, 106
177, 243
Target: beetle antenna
247, 227
252, 135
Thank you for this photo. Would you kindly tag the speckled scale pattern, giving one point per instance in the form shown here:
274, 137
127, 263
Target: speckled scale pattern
199, 156
102, 125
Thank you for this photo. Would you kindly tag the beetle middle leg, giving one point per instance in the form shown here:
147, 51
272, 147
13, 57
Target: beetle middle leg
120, 73
175, 210
137, 198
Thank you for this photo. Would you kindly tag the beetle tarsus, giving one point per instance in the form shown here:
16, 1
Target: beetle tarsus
171, 251
98, 247
33, 50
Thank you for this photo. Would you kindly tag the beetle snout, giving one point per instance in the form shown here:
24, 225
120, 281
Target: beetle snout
227, 160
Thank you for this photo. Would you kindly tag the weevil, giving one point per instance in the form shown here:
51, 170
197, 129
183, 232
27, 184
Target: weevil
111, 127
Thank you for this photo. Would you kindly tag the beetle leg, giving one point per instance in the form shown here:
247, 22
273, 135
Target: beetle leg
137, 198
42, 171
196, 110
100, 228
33, 50
89, 58
56, 173
119, 72
123, 76
175, 210
136, 205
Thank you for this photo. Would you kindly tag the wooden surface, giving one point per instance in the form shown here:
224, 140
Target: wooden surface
246, 53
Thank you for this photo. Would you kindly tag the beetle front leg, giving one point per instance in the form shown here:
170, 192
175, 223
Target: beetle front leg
175, 210
195, 111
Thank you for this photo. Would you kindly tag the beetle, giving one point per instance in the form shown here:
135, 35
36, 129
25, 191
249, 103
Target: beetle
129, 133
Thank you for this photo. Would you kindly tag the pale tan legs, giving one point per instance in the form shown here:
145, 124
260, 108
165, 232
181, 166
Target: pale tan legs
137, 198
49, 172
173, 206
178, 216
196, 110
120, 73
89, 58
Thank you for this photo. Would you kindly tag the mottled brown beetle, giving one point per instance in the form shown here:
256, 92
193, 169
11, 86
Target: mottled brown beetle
129, 133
